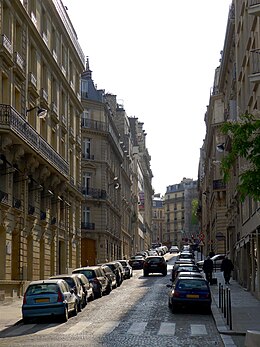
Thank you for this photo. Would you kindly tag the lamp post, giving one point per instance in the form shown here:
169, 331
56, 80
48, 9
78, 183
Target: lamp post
41, 112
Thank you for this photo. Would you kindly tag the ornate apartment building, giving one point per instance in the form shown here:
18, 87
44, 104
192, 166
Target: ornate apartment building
40, 142
158, 220
178, 210
231, 225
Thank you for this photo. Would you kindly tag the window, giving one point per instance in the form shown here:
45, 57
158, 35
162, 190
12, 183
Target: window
86, 148
86, 214
84, 89
85, 118
86, 182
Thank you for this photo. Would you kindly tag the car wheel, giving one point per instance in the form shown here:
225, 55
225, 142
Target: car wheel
165, 273
98, 294
146, 273
80, 304
26, 320
65, 315
109, 289
85, 302
75, 311
174, 308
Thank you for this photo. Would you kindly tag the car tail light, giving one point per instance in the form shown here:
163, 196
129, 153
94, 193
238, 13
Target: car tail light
176, 294
24, 300
60, 297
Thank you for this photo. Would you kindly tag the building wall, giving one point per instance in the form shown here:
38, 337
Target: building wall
40, 166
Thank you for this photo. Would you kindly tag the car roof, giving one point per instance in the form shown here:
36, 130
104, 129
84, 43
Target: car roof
94, 267
48, 281
190, 274
62, 276
191, 278
154, 256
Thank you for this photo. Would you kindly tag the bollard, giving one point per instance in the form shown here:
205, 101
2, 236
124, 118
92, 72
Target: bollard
230, 310
224, 303
252, 338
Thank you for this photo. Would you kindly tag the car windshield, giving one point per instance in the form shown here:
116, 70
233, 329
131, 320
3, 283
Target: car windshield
124, 263
44, 288
88, 273
192, 284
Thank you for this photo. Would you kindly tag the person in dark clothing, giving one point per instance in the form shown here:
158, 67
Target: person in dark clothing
211, 253
208, 269
226, 267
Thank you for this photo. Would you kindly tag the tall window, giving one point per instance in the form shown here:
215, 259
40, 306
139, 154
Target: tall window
86, 214
84, 89
86, 178
86, 148
85, 118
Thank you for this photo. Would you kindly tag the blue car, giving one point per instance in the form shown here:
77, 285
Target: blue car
189, 292
48, 298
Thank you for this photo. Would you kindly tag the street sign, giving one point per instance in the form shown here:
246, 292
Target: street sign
201, 243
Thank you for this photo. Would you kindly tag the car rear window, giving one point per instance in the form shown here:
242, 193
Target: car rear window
44, 288
192, 284
88, 273
154, 260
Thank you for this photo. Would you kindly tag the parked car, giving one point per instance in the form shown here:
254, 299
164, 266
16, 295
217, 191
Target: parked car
74, 283
186, 255
48, 298
87, 288
128, 270
155, 264
189, 291
97, 277
136, 261
217, 260
183, 267
174, 249
110, 275
118, 270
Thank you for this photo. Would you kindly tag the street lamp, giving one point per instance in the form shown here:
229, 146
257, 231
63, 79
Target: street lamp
41, 112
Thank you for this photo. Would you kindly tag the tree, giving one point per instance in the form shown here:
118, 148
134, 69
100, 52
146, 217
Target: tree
245, 143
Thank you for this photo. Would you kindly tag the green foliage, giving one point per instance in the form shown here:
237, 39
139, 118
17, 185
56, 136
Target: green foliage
245, 143
194, 218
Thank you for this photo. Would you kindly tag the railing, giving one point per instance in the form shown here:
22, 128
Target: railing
225, 303
94, 193
87, 226
254, 2
11, 119
256, 61
94, 124
7, 44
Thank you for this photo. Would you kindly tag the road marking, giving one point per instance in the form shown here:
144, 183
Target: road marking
167, 329
198, 329
20, 330
107, 328
77, 328
137, 328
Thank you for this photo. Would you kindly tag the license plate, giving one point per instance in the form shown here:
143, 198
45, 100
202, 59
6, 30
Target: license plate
153, 265
42, 300
192, 296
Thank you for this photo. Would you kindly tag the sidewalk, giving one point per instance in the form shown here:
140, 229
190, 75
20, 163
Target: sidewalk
245, 313
11, 313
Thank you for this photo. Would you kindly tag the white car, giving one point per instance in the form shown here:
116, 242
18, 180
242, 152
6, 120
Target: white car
174, 249
217, 260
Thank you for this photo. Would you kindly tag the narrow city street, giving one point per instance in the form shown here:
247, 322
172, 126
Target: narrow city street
135, 314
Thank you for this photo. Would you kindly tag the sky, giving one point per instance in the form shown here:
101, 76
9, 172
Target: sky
159, 59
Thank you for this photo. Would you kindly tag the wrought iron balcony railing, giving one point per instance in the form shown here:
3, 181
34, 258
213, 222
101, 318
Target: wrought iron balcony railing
87, 226
12, 120
94, 193
94, 124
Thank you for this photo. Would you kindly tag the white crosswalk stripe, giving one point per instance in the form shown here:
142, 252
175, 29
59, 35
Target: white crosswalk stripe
106, 328
137, 328
77, 328
198, 329
167, 328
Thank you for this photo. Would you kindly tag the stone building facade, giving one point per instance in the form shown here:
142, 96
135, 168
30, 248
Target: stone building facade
178, 210
230, 224
40, 155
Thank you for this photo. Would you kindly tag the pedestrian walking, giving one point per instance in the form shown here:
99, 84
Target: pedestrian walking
226, 267
208, 268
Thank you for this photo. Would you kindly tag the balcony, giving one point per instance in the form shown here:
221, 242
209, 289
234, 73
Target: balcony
93, 124
254, 7
255, 76
14, 122
88, 156
94, 193
6, 50
19, 67
3, 197
87, 226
